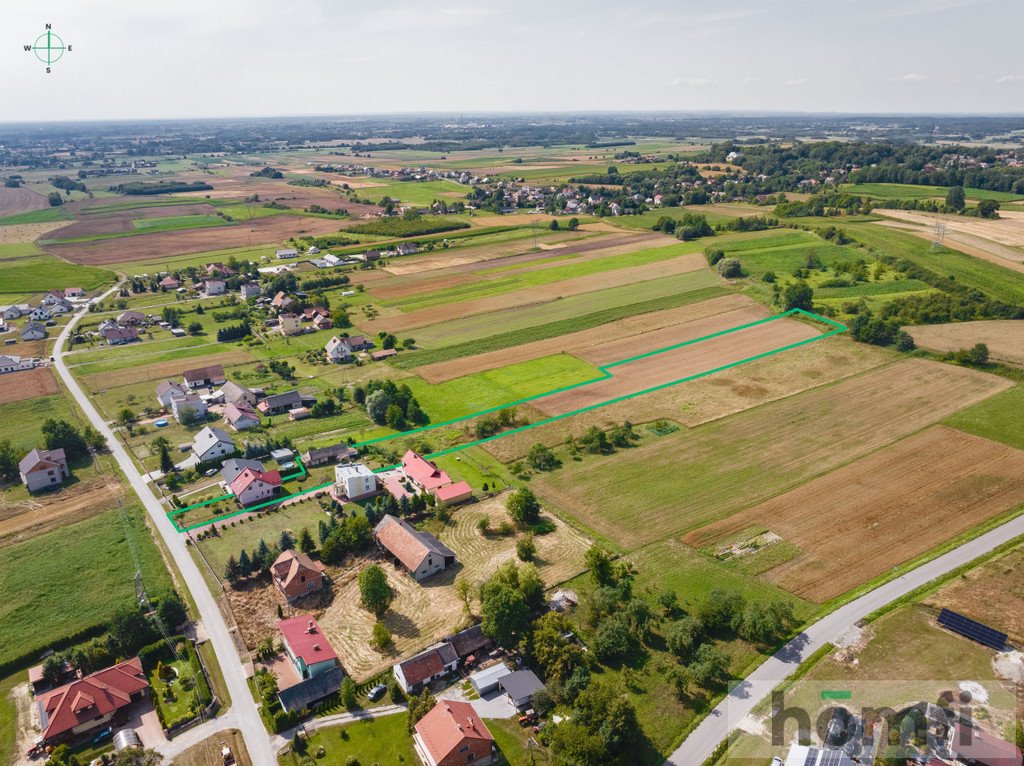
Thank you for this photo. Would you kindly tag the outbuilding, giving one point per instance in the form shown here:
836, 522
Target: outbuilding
486, 681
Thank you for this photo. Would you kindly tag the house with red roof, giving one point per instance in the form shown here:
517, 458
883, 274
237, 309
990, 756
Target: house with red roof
90, 702
252, 486
432, 479
453, 733
43, 469
316, 667
432, 663
297, 575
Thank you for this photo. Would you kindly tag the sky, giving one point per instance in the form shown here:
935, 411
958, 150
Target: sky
158, 59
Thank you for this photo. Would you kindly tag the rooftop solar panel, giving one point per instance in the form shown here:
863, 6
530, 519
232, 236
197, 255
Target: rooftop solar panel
812, 757
973, 630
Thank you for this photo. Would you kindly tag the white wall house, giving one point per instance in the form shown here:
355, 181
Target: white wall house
354, 480
212, 443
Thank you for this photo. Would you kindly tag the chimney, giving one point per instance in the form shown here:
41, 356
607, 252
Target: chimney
316, 647
309, 627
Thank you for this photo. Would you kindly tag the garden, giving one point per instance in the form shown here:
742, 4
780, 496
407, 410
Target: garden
180, 689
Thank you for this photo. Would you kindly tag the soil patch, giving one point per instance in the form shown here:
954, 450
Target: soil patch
1004, 337
42, 513
27, 385
20, 200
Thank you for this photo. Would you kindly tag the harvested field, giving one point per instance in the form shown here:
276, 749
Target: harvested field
683, 264
421, 613
867, 517
999, 581
40, 514
258, 231
20, 200
684, 362
26, 232
599, 247
716, 396
578, 342
403, 288
985, 249
117, 221
688, 479
1008, 229
27, 385
1004, 337
99, 381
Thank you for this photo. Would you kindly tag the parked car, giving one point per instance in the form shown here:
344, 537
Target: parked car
210, 472
377, 692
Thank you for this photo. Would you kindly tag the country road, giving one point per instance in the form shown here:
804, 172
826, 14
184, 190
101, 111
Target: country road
776, 669
244, 714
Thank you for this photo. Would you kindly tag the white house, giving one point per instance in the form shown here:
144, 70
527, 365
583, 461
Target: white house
338, 350
249, 290
33, 331
251, 487
354, 480
42, 469
287, 253
167, 391
241, 416
290, 324
236, 394
212, 443
188, 408
214, 286
426, 667
12, 363
52, 297
40, 313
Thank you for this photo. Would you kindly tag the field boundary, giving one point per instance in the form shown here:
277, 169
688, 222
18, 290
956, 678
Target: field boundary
837, 328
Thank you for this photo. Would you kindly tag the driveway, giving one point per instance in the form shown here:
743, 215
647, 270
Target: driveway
142, 718
492, 705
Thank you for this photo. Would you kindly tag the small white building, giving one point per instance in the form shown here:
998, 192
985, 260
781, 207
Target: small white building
167, 391
485, 681
287, 253
354, 480
188, 408
212, 443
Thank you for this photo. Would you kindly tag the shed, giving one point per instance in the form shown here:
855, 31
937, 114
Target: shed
484, 681
282, 455
520, 687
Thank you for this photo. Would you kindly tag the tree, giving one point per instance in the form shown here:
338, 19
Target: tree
977, 354
613, 639
420, 706
171, 315
462, 590
710, 666
526, 549
129, 629
721, 611
53, 668
765, 623
55, 199
604, 709
555, 656
523, 506
62, 755
194, 328
575, 744
798, 295
348, 692
136, 756
8, 461
505, 613
171, 611
600, 562
231, 571
306, 543
166, 461
377, 406
553, 225
380, 637
595, 441
574, 223
286, 541
542, 458
956, 198
59, 434
244, 563
682, 637
988, 208
729, 268
394, 417
374, 592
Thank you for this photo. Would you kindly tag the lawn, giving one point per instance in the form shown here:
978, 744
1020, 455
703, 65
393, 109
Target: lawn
39, 216
645, 221
254, 253
998, 418
914, 191
27, 273
477, 467
421, 193
570, 309
493, 388
385, 741
21, 422
46, 598
179, 687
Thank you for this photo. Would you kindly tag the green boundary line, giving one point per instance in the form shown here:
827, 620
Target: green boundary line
605, 375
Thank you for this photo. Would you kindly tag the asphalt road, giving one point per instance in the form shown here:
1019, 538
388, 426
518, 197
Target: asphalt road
244, 714
776, 669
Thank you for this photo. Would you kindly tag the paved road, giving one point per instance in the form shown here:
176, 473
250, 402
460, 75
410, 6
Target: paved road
759, 684
244, 716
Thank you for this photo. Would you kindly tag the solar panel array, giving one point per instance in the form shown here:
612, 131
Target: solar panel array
973, 630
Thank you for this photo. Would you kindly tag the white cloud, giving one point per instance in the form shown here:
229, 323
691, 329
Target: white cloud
912, 77
693, 82
796, 81
1010, 79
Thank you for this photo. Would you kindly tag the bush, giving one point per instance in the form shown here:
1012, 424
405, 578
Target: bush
729, 268
526, 549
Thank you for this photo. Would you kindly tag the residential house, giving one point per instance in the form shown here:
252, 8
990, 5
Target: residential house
53, 297
251, 487
317, 456
131, 318
219, 269
167, 391
281, 301
11, 363
354, 481
803, 755
241, 416
420, 553
520, 687
426, 667
214, 286
90, 703
59, 308
170, 283
33, 331
212, 443
297, 575
249, 290
368, 257
358, 342
236, 394
188, 408
118, 336
313, 250
287, 253
408, 248
10, 312
430, 478
205, 377
289, 324
977, 747
323, 322
278, 404
314, 661
43, 469
331, 260
74, 292
452, 734
338, 350
40, 313
233, 466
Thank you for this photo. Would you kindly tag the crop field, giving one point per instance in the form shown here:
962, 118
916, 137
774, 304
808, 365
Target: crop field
1004, 338
687, 479
27, 385
123, 371
34, 271
547, 290
1007, 230
21, 520
647, 372
897, 503
913, 191
646, 220
460, 331
998, 418
416, 192
21, 200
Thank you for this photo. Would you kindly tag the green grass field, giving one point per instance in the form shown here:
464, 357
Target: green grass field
420, 193
45, 215
20, 422
45, 598
484, 390
568, 309
913, 191
998, 418
39, 273
646, 220
384, 740
171, 223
